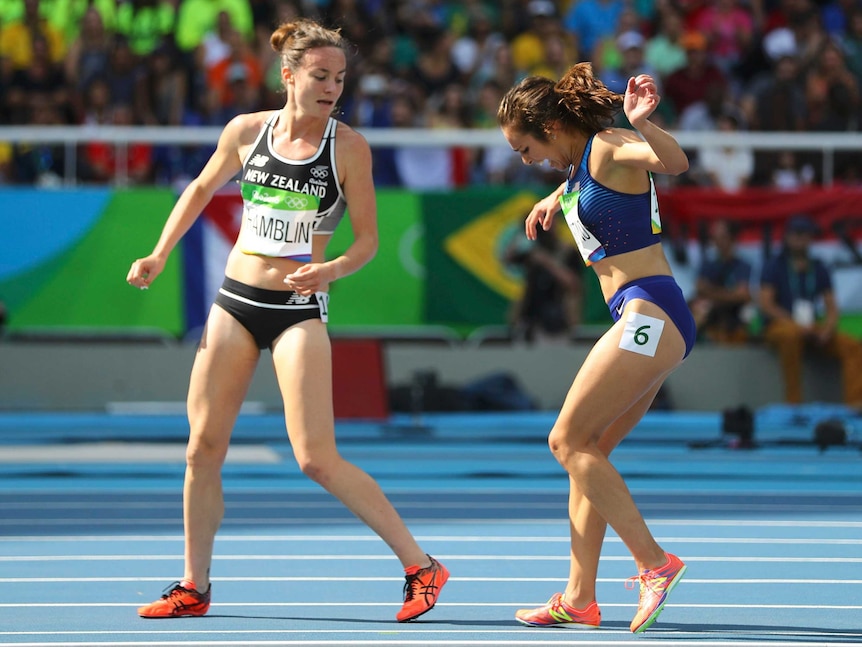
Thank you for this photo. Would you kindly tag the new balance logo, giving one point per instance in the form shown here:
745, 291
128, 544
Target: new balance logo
559, 615
258, 160
298, 300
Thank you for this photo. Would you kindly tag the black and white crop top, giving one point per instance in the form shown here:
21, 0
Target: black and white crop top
287, 201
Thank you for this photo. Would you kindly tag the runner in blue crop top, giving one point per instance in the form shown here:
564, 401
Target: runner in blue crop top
621, 222
300, 169
609, 202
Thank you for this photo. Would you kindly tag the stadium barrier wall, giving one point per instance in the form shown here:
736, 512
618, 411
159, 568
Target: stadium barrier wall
152, 377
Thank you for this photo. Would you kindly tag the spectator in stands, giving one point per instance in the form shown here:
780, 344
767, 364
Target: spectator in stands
474, 52
375, 75
529, 50
607, 54
789, 173
235, 82
69, 16
434, 69
704, 115
722, 302
559, 54
800, 312
591, 21
40, 164
631, 47
690, 83
280, 11
127, 77
729, 29
5, 163
419, 167
13, 10
5, 77
502, 72
408, 26
551, 303
96, 103
117, 164
775, 101
369, 103
852, 43
197, 18
41, 83
494, 163
836, 16
451, 110
88, 56
373, 105
727, 167
146, 23
808, 33
215, 43
663, 50
833, 104
357, 21
165, 87
832, 92
17, 38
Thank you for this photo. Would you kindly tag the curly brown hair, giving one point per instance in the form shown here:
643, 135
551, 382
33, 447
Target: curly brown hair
578, 101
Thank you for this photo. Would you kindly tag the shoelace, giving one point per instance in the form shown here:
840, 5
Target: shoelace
173, 589
646, 581
557, 612
413, 583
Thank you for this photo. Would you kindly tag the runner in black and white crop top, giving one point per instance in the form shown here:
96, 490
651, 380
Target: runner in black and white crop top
286, 201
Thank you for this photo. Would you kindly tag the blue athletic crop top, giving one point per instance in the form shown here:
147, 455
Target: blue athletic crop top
287, 201
605, 222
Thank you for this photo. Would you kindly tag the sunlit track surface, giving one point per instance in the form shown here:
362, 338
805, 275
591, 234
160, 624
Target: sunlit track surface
90, 528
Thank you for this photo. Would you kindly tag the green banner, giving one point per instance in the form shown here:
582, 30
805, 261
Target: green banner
389, 291
84, 285
439, 261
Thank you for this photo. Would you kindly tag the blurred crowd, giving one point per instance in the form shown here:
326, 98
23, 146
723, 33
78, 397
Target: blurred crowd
722, 65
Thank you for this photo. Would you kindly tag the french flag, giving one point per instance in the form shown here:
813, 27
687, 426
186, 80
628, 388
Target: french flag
205, 250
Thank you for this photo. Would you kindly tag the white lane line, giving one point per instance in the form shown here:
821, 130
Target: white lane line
442, 557
223, 605
380, 641
340, 578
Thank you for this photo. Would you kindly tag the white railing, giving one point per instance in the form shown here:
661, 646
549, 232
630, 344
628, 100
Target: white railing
70, 137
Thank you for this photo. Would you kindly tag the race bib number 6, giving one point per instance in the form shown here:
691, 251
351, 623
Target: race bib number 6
641, 334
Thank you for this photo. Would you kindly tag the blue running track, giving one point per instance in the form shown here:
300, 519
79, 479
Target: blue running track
91, 528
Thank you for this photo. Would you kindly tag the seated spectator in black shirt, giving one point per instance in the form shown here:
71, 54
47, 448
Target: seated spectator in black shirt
723, 290
550, 307
41, 83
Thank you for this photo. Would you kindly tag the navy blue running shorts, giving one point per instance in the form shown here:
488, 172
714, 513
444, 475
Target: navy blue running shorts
666, 294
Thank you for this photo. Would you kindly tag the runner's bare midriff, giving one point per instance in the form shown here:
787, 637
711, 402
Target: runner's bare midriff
615, 271
268, 272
